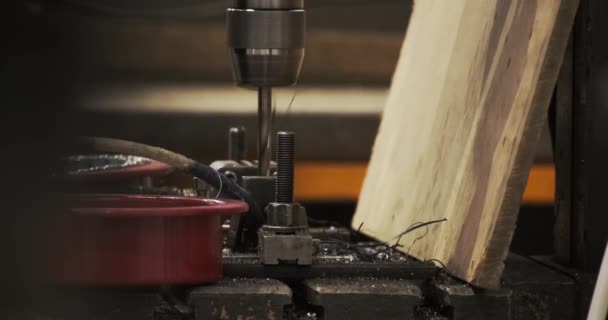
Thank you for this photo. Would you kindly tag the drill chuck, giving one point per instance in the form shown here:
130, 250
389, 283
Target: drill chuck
266, 40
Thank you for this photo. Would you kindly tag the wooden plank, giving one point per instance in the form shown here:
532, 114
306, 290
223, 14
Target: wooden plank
466, 107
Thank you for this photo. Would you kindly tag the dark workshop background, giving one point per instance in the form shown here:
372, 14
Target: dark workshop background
158, 72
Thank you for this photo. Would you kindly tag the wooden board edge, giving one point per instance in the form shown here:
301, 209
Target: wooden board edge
491, 267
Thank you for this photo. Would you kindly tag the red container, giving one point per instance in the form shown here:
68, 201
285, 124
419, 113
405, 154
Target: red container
138, 240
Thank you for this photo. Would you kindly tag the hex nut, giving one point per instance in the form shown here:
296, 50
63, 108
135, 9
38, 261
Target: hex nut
286, 214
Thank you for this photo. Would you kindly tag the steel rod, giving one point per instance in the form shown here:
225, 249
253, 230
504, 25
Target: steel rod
264, 130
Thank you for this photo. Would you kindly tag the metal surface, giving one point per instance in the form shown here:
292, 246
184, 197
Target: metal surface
237, 144
266, 40
276, 67
538, 291
331, 233
240, 299
285, 164
326, 290
240, 169
266, 29
266, 4
261, 188
583, 284
265, 125
286, 215
531, 291
325, 265
461, 302
285, 245
361, 299
243, 231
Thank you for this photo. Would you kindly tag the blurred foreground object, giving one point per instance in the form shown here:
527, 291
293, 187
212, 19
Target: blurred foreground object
135, 240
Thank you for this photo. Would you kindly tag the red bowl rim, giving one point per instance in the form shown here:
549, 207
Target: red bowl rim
184, 206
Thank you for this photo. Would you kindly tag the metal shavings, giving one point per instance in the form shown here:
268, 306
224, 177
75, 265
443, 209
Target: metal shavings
300, 313
372, 251
80, 164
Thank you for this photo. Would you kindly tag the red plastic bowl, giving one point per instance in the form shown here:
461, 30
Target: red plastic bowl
138, 240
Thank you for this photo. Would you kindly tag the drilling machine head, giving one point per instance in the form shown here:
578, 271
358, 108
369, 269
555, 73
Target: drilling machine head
266, 40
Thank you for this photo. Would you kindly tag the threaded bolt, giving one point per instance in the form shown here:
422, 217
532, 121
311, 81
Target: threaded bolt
285, 164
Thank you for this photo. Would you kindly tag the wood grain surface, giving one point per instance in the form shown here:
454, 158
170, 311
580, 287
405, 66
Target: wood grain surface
465, 110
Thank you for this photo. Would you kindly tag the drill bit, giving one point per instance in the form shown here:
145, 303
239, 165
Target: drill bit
264, 129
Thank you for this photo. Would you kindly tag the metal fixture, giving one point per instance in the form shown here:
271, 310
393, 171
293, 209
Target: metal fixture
243, 228
237, 144
266, 40
285, 238
264, 130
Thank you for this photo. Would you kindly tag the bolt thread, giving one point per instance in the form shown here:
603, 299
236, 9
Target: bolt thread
285, 164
